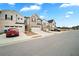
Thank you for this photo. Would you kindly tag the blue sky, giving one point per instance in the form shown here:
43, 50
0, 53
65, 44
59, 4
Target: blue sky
65, 14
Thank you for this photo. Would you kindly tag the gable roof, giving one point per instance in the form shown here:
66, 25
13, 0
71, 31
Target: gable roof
50, 21
26, 17
36, 15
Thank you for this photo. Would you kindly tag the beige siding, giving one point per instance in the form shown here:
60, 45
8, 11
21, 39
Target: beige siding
7, 23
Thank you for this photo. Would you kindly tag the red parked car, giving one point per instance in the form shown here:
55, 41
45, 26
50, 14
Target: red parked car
12, 32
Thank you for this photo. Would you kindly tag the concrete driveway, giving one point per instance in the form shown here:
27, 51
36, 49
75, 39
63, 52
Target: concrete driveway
5, 41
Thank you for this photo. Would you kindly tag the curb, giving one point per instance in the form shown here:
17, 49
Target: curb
32, 38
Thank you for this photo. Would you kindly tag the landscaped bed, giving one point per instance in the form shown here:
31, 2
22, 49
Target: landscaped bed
30, 33
1, 33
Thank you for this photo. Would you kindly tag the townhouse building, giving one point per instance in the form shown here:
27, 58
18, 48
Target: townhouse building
36, 24
45, 26
11, 19
33, 22
51, 24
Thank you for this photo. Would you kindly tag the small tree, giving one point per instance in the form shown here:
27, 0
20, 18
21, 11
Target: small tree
30, 30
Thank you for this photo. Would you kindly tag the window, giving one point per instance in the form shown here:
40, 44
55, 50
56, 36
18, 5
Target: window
11, 17
16, 15
16, 26
18, 18
5, 16
33, 20
20, 26
6, 26
21, 18
11, 26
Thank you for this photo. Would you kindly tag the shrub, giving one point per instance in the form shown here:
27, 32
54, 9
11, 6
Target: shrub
5, 31
1, 33
30, 30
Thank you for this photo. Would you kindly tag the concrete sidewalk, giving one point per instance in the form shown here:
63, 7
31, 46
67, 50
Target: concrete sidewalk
23, 37
45, 34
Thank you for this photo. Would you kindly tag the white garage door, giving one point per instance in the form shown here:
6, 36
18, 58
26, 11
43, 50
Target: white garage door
36, 30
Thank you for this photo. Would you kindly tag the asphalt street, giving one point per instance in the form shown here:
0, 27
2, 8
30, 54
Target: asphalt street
63, 44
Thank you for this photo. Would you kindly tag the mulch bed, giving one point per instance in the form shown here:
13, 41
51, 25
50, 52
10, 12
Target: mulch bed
30, 33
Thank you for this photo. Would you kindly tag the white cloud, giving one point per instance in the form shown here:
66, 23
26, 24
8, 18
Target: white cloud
64, 5
69, 14
32, 7
39, 3
11, 3
69, 4
42, 17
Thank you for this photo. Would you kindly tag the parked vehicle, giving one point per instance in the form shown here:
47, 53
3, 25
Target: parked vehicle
57, 30
12, 32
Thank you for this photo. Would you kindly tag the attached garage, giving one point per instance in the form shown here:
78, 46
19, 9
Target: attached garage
36, 29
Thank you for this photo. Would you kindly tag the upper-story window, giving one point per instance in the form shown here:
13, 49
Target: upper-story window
18, 18
33, 20
16, 15
11, 17
21, 18
5, 16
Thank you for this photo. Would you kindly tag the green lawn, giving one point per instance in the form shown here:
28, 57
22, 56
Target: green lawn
1, 33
